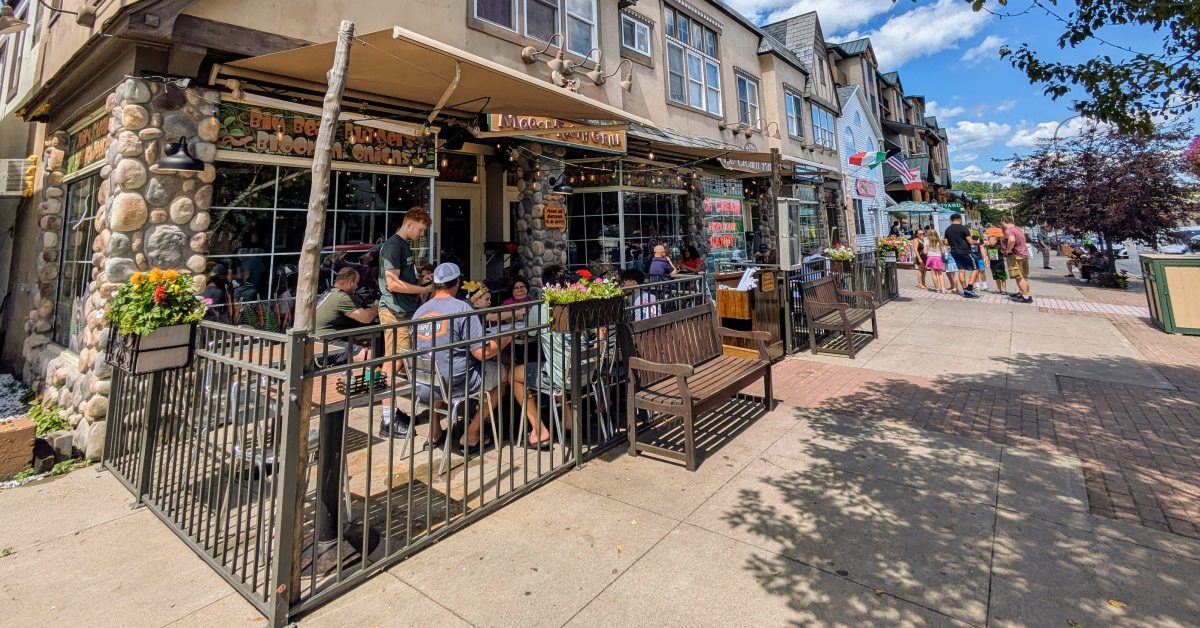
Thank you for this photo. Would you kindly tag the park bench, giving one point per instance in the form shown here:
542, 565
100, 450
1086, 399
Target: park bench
825, 311
676, 366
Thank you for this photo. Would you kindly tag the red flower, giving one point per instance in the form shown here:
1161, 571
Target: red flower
160, 294
584, 274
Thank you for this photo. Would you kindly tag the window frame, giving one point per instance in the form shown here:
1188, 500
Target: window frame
627, 18
558, 20
519, 33
848, 138
753, 110
793, 107
593, 22
860, 217
513, 9
710, 94
820, 132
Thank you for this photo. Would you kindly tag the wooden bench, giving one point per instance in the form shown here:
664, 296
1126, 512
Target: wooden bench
676, 366
826, 312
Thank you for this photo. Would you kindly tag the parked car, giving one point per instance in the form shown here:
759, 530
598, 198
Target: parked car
1194, 244
1178, 242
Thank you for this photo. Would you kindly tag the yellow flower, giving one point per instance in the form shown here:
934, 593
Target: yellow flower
171, 275
137, 278
156, 275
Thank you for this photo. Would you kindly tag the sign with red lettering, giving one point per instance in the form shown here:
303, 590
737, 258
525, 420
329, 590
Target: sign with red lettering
864, 187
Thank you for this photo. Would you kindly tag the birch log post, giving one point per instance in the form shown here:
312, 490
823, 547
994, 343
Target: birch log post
310, 260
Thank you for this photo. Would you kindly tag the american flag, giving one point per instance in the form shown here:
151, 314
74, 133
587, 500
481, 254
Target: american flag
910, 176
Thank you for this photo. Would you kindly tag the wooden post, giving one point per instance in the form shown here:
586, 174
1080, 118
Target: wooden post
306, 295
769, 214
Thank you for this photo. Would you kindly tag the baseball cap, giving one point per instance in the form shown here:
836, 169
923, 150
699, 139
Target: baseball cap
446, 272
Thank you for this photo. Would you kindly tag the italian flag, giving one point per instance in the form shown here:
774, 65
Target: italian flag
871, 159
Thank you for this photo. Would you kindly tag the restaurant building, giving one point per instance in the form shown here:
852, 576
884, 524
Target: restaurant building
677, 123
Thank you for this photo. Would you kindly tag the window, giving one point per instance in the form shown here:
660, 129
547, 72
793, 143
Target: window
541, 19
693, 72
822, 123
821, 61
848, 137
75, 262
860, 218
747, 93
581, 26
499, 12
795, 114
14, 69
635, 35
857, 117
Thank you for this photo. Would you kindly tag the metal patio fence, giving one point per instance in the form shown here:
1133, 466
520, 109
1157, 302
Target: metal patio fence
294, 503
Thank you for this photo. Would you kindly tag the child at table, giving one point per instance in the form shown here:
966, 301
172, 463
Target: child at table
642, 303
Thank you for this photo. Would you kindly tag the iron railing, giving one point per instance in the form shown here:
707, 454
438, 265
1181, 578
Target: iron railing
867, 272
272, 466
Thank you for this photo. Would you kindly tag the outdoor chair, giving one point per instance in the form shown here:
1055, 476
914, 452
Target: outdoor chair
439, 389
595, 355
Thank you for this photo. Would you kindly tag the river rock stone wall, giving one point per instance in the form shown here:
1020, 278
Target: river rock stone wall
537, 246
144, 218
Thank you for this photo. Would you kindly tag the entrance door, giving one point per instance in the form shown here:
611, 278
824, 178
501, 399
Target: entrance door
460, 229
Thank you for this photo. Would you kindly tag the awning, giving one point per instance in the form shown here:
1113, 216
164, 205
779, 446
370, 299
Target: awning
674, 142
401, 64
902, 128
802, 167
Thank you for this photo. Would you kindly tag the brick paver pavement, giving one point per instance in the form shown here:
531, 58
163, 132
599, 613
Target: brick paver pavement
1140, 446
1055, 304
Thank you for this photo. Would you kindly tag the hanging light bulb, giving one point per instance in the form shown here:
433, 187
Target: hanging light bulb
651, 155
279, 134
410, 168
592, 177
391, 161
445, 162
474, 178
351, 138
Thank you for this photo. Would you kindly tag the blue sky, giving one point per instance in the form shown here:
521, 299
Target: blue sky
948, 53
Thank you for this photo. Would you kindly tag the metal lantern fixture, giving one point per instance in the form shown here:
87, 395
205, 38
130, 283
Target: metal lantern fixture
9, 23
179, 159
560, 186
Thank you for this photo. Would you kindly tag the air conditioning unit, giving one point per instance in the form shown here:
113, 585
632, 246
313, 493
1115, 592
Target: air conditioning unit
12, 176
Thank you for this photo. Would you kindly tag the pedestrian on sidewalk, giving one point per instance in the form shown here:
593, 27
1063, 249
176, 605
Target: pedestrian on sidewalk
997, 264
1045, 241
962, 243
920, 252
1016, 256
951, 279
935, 263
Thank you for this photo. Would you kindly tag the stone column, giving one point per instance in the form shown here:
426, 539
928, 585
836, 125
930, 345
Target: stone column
694, 213
538, 247
145, 219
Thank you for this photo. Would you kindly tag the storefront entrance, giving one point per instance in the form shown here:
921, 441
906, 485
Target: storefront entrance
459, 227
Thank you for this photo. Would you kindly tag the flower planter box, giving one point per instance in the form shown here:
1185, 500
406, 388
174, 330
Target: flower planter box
839, 266
590, 314
889, 256
163, 349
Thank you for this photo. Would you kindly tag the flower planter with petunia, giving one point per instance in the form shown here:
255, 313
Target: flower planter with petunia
890, 247
840, 258
153, 319
585, 304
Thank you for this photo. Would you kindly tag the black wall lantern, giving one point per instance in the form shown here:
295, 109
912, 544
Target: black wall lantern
179, 158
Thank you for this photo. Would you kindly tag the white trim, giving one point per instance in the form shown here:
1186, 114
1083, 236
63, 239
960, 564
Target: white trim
301, 162
83, 173
85, 121
513, 13
558, 11
636, 24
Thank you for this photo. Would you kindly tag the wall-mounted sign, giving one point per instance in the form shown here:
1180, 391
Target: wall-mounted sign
953, 206
766, 281
586, 137
271, 131
744, 166
865, 188
554, 217
88, 145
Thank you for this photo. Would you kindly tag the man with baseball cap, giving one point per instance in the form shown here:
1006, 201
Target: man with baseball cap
466, 369
962, 247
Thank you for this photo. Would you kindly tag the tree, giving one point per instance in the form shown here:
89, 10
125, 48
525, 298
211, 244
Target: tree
1122, 186
1132, 88
988, 193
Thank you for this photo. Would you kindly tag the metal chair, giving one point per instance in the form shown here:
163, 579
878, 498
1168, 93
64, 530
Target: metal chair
439, 389
591, 359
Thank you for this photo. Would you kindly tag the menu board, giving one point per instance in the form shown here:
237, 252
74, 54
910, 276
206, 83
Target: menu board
724, 227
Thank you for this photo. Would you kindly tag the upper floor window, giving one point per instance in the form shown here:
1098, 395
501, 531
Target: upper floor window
848, 138
693, 72
747, 95
794, 107
821, 61
541, 19
823, 125
635, 34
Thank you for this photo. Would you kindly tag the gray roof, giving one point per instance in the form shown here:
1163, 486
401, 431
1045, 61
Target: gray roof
676, 138
891, 78
931, 121
768, 42
852, 48
846, 93
798, 34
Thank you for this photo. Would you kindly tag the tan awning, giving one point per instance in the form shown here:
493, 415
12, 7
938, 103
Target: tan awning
401, 64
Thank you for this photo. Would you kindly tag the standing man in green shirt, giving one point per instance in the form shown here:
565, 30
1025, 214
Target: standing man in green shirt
339, 309
402, 294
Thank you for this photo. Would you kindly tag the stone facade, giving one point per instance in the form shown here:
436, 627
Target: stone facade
145, 218
537, 246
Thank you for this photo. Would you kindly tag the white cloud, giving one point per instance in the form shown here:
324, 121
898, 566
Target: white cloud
933, 109
975, 173
987, 49
963, 156
835, 15
1028, 137
1005, 105
967, 135
923, 31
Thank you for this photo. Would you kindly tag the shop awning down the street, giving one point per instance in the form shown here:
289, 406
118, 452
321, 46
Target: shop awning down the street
402, 65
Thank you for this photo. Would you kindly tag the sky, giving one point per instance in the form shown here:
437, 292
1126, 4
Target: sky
949, 54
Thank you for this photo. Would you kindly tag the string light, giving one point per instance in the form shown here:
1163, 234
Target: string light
410, 168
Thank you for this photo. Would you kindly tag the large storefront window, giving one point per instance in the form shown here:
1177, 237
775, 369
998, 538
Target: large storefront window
802, 222
724, 220
611, 230
259, 214
75, 267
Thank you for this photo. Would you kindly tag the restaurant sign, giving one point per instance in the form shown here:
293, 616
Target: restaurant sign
864, 187
589, 137
280, 132
88, 145
554, 217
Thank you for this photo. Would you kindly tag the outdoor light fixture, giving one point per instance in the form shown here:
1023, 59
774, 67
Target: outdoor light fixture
9, 22
559, 63
767, 126
179, 158
598, 76
86, 17
560, 185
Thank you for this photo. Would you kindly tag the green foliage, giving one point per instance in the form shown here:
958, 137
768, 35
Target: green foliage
1118, 280
66, 466
155, 299
582, 290
1131, 88
26, 474
47, 416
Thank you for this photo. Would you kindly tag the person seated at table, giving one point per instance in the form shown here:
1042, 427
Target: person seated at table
466, 369
520, 294
339, 309
1079, 257
642, 303
691, 262
478, 295
661, 267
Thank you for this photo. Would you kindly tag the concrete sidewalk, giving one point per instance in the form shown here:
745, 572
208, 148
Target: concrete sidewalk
805, 518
